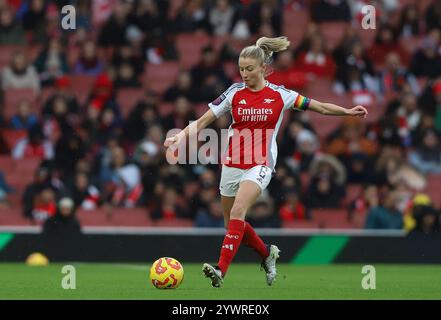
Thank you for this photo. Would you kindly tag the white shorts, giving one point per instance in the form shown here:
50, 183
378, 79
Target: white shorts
232, 177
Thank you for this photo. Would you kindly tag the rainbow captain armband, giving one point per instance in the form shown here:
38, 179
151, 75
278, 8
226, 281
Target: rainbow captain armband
301, 102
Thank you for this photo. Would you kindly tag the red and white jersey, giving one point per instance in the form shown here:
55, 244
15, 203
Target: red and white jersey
257, 117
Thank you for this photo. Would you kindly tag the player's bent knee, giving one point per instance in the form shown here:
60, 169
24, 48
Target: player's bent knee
238, 212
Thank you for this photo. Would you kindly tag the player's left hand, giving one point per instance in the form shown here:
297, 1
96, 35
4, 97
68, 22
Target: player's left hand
358, 111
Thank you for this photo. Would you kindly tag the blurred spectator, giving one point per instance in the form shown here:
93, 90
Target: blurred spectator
125, 54
363, 203
103, 95
5, 189
44, 205
168, 207
20, 74
385, 44
211, 217
182, 87
326, 189
433, 16
121, 180
25, 118
299, 146
386, 215
422, 217
394, 77
62, 90
331, 10
143, 116
83, 15
42, 180
150, 16
85, 195
262, 215
51, 63
89, 62
191, 17
34, 146
408, 117
292, 209
63, 223
11, 31
286, 73
34, 20
180, 117
265, 13
355, 72
68, 150
200, 202
410, 21
147, 157
354, 149
113, 32
209, 76
126, 77
427, 156
160, 48
222, 17
315, 61
426, 62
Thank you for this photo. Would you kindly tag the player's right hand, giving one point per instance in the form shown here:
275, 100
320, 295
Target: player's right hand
171, 141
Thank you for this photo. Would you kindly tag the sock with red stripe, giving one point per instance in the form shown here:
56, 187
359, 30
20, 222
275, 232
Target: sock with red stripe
252, 240
231, 244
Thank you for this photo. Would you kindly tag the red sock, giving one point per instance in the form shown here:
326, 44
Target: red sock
252, 240
231, 244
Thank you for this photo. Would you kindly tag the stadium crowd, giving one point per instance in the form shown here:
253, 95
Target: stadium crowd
100, 153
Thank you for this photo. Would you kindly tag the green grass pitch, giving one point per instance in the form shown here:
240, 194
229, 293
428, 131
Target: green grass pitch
244, 281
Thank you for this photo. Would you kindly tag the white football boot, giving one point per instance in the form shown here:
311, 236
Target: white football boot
214, 274
269, 264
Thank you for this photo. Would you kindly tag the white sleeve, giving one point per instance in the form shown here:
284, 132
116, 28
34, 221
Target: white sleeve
223, 103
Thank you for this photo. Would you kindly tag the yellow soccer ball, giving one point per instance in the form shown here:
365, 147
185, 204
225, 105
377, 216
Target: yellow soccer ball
37, 259
166, 273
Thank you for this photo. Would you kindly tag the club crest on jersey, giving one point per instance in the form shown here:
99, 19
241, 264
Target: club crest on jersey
268, 100
219, 100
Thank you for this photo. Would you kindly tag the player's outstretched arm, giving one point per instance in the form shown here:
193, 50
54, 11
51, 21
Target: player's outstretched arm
330, 109
194, 127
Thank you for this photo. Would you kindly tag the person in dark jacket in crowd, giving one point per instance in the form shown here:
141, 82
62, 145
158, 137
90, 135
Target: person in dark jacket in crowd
64, 223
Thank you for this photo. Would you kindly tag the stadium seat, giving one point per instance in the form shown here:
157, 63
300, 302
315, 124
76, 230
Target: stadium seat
190, 48
14, 96
93, 218
130, 217
128, 98
13, 136
300, 224
332, 218
294, 25
173, 223
81, 86
161, 76
24, 170
6, 164
6, 54
13, 217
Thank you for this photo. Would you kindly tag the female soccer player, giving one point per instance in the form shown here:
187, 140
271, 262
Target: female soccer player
257, 109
